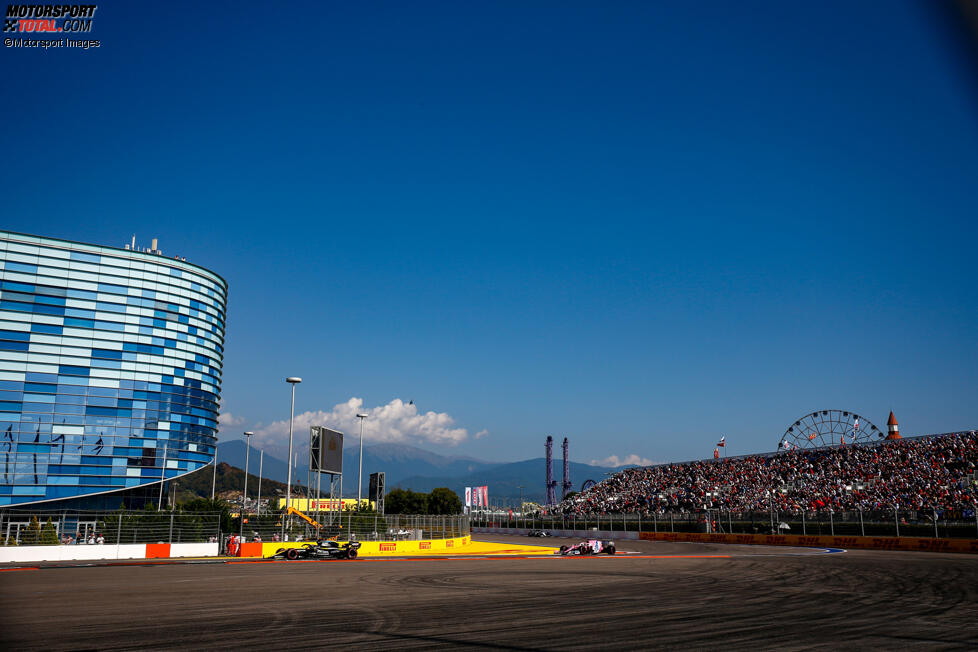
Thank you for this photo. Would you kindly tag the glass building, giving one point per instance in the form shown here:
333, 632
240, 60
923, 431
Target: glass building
110, 371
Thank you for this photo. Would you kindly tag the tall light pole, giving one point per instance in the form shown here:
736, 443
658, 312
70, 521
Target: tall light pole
360, 472
292, 380
261, 460
162, 479
244, 493
521, 501
214, 478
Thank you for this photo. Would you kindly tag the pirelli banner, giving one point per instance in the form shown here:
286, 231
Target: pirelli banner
803, 541
326, 504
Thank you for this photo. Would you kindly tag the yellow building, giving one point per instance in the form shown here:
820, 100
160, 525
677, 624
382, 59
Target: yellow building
325, 504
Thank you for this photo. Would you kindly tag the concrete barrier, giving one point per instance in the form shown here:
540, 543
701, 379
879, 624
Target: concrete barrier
9, 554
800, 540
193, 550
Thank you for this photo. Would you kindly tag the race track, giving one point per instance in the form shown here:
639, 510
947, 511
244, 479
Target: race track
693, 596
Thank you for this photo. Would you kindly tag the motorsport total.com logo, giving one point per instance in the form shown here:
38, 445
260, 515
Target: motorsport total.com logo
49, 18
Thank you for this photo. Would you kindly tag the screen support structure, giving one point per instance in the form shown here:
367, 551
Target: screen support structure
326, 457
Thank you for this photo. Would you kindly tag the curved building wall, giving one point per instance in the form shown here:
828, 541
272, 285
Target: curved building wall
110, 368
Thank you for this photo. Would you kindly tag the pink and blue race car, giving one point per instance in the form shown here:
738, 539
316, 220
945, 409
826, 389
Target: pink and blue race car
589, 547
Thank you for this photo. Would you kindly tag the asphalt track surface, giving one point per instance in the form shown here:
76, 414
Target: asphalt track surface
668, 595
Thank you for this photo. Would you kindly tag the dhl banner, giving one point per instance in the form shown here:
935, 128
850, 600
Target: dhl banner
868, 543
324, 504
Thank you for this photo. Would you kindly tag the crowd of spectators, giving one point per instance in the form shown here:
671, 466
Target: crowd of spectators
923, 473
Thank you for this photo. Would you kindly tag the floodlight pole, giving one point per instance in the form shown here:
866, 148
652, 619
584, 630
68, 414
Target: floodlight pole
244, 493
292, 380
261, 461
162, 479
360, 471
214, 478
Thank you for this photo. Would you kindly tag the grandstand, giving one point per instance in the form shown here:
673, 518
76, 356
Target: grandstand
931, 472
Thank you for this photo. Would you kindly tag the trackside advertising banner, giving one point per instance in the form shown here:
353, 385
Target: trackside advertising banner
477, 496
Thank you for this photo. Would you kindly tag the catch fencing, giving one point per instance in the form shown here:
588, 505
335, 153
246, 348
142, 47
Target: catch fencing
354, 525
39, 527
895, 523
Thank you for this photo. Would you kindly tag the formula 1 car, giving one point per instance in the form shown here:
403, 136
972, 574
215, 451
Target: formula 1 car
320, 550
589, 547
538, 533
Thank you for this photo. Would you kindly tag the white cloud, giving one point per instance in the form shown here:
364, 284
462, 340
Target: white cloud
481, 434
225, 419
630, 459
397, 421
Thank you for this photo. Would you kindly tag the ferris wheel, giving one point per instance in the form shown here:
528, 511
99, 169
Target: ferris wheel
824, 428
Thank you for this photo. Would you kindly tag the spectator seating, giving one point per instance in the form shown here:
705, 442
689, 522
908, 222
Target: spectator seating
935, 472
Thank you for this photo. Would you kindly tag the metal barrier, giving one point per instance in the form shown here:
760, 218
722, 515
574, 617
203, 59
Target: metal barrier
895, 523
356, 525
38, 527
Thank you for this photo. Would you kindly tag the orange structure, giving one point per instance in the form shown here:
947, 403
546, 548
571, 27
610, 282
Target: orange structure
893, 428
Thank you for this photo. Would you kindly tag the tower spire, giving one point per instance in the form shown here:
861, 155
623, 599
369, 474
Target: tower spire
551, 483
892, 427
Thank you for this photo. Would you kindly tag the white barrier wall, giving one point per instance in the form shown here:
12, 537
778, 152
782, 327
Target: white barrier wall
193, 550
96, 552
128, 551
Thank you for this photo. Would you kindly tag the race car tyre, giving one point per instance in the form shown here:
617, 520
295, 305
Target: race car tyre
291, 554
610, 550
352, 554
563, 549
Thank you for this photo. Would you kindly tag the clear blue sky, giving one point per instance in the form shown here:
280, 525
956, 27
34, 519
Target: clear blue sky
640, 226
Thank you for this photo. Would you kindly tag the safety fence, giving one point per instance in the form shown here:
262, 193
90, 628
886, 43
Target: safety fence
353, 525
39, 528
896, 523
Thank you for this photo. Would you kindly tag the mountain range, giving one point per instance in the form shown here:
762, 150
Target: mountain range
407, 467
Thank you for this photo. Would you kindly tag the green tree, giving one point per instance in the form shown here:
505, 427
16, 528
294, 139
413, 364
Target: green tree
405, 501
49, 536
361, 524
32, 533
208, 506
444, 501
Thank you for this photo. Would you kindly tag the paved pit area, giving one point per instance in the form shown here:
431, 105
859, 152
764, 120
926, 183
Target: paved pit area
664, 595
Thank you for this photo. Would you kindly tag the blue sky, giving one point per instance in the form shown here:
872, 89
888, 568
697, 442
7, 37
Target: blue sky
639, 226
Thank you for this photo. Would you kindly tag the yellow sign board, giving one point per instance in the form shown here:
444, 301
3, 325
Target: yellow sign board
325, 504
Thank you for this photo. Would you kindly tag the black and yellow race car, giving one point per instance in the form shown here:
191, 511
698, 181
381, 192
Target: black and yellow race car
320, 550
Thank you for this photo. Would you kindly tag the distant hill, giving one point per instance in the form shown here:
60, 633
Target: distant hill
233, 453
229, 484
504, 480
408, 467
398, 461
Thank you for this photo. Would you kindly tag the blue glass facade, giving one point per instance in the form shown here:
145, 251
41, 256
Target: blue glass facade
110, 368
